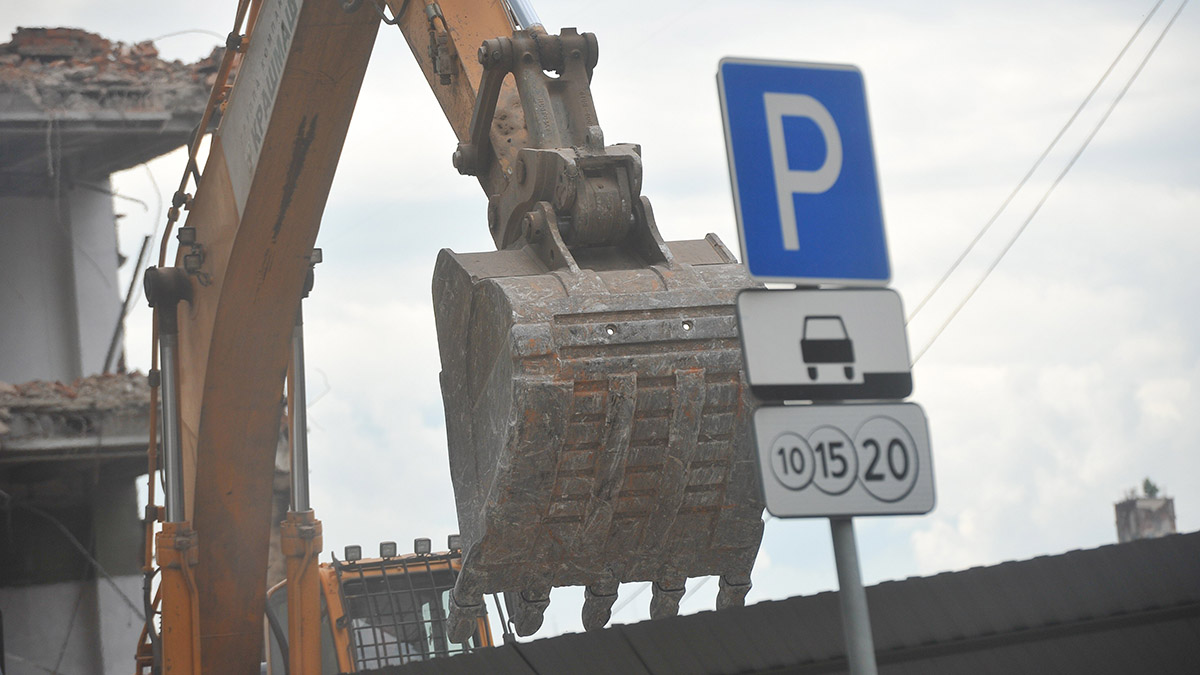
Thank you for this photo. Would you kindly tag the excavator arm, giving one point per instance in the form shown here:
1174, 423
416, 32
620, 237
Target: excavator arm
251, 229
598, 424
245, 249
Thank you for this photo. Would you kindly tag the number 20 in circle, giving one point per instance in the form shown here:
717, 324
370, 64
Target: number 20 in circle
792, 461
887, 459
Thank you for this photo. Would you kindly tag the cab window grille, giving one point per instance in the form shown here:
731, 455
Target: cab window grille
396, 618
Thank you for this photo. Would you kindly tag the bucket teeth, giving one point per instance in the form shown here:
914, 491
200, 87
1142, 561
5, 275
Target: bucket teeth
666, 597
598, 426
733, 592
462, 620
598, 600
528, 610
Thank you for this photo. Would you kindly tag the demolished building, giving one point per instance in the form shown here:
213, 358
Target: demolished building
74, 108
69, 562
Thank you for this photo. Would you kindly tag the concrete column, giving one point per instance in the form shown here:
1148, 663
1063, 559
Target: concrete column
58, 284
38, 632
94, 256
118, 536
37, 293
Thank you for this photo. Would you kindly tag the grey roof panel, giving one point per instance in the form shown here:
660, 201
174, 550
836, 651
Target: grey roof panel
1127, 608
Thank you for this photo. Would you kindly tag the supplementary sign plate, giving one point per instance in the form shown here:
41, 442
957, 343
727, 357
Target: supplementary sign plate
824, 345
844, 460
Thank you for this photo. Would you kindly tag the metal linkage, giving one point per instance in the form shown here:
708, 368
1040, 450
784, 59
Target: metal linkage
594, 189
176, 544
301, 532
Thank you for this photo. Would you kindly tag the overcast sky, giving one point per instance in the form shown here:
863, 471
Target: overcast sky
1070, 376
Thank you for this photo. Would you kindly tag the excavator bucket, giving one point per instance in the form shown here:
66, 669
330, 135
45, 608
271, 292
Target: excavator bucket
598, 424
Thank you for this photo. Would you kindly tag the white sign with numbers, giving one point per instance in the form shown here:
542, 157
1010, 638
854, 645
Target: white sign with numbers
845, 459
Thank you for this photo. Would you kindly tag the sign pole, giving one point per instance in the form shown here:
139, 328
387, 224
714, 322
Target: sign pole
856, 621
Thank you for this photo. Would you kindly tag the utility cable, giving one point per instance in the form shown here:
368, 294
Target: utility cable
54, 171
631, 597
8, 501
1053, 185
1032, 169
186, 32
66, 642
691, 591
110, 193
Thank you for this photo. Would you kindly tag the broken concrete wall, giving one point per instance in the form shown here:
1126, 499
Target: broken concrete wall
60, 302
69, 458
38, 637
102, 416
74, 106
38, 333
67, 70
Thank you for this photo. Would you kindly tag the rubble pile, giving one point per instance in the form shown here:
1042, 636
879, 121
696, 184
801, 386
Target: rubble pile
67, 69
45, 408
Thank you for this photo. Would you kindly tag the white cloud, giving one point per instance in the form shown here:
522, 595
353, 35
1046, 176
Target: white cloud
1164, 401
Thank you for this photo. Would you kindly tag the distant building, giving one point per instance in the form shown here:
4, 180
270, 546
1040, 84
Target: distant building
1145, 518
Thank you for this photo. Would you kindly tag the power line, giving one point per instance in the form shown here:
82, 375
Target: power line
6, 501
696, 587
190, 30
1032, 169
1053, 185
631, 597
690, 592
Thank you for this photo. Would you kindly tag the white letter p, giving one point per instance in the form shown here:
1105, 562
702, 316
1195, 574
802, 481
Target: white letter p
787, 181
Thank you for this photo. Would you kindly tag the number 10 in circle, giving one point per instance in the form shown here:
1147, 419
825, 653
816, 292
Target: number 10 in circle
792, 461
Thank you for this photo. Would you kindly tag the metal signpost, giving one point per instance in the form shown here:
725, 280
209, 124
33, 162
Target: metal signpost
857, 459
807, 201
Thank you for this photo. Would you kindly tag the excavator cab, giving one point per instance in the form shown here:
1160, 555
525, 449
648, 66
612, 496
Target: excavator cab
378, 612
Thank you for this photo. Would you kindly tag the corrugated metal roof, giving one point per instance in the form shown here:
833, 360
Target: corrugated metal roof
1123, 608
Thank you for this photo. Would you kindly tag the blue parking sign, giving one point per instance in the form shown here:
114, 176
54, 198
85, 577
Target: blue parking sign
803, 171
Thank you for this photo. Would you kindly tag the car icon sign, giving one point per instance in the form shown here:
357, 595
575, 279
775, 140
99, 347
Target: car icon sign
825, 341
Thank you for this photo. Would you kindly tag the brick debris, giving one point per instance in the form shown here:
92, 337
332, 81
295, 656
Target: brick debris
72, 70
